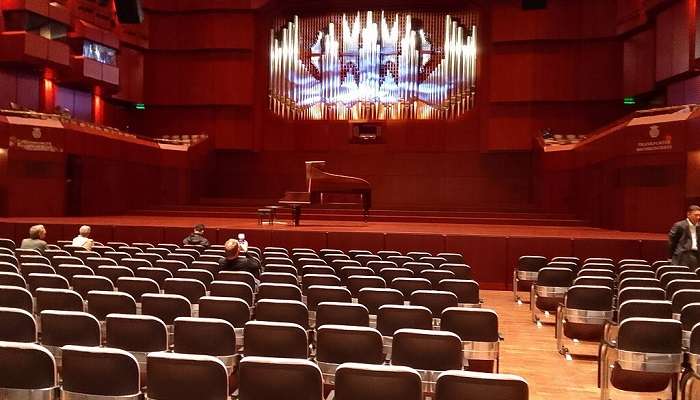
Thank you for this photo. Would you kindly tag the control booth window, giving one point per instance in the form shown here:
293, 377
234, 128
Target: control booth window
99, 53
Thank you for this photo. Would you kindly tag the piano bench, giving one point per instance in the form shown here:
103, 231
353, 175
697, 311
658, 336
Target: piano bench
264, 214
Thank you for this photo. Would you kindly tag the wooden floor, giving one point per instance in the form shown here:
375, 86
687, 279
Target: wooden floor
530, 351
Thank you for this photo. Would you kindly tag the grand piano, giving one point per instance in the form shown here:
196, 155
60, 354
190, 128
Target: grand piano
321, 185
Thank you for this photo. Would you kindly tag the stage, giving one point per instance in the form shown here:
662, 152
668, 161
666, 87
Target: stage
491, 250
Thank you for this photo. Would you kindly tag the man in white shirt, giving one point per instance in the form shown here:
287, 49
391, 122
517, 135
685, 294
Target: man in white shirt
83, 238
683, 239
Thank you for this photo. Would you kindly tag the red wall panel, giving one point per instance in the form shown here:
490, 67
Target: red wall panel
639, 63
673, 40
353, 241
486, 255
613, 248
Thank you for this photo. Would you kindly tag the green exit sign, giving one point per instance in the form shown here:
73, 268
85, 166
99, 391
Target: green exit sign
140, 106
630, 101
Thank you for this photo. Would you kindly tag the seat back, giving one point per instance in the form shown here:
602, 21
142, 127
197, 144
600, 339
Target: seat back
318, 294
467, 291
166, 307
232, 310
644, 309
220, 336
331, 313
339, 344
409, 285
85, 283
279, 291
138, 333
426, 349
452, 385
357, 282
186, 376
191, 289
275, 339
61, 328
16, 297
17, 326
377, 382
238, 290
293, 379
237, 276
58, 299
26, 366
391, 318
471, 324
100, 371
12, 279
434, 300
373, 298
137, 287
100, 304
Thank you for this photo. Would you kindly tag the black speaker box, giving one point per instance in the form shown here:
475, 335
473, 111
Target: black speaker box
534, 4
129, 11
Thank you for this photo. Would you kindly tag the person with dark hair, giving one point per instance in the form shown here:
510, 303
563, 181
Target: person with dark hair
233, 261
197, 237
683, 239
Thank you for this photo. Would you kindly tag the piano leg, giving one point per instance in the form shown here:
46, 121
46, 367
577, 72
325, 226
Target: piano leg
296, 214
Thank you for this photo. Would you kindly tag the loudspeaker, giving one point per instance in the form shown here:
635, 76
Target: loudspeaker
129, 11
534, 4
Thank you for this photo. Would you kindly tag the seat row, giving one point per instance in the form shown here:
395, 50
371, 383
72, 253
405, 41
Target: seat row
93, 373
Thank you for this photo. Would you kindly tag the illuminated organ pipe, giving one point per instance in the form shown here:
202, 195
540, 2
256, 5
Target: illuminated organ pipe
364, 69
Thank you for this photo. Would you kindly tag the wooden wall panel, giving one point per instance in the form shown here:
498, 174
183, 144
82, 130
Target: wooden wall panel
673, 40
204, 30
639, 63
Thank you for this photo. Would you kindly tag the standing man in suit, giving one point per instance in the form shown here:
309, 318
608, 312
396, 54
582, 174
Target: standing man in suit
683, 239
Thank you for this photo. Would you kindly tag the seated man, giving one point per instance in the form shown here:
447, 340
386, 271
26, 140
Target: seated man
83, 238
37, 233
232, 261
197, 237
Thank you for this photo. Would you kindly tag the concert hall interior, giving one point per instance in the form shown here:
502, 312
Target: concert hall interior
411, 199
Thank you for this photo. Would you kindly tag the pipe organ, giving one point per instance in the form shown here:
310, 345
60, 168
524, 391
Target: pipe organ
374, 66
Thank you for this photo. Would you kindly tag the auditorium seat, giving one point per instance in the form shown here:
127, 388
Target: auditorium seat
8, 267
385, 254
206, 265
279, 277
144, 246
363, 259
681, 284
100, 304
377, 266
201, 275
373, 298
641, 267
12, 279
454, 385
284, 261
277, 249
638, 282
574, 260
478, 331
309, 280
300, 264
338, 344
94, 262
357, 282
640, 293
115, 245
85, 283
297, 256
101, 250
429, 352
17, 325
334, 313
318, 294
549, 290
329, 258
354, 253
436, 275
175, 376
391, 318
40, 280
166, 307
117, 256
168, 246
690, 316
114, 273
303, 250
434, 300
131, 250
275, 339
635, 273
461, 271
232, 310
436, 262
69, 270
238, 276
135, 263
27, 370
51, 253
194, 249
583, 315
598, 260
347, 272
158, 250
417, 267
389, 274
409, 285
9, 259
274, 254
57, 299
282, 268
191, 289
293, 379
594, 281
232, 289
137, 334
681, 298
377, 382
16, 297
417, 255
338, 265
62, 328
137, 287
85, 254
467, 291
400, 260
7, 244
279, 291
290, 311
220, 339
93, 372
647, 357
187, 259
159, 275
19, 253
